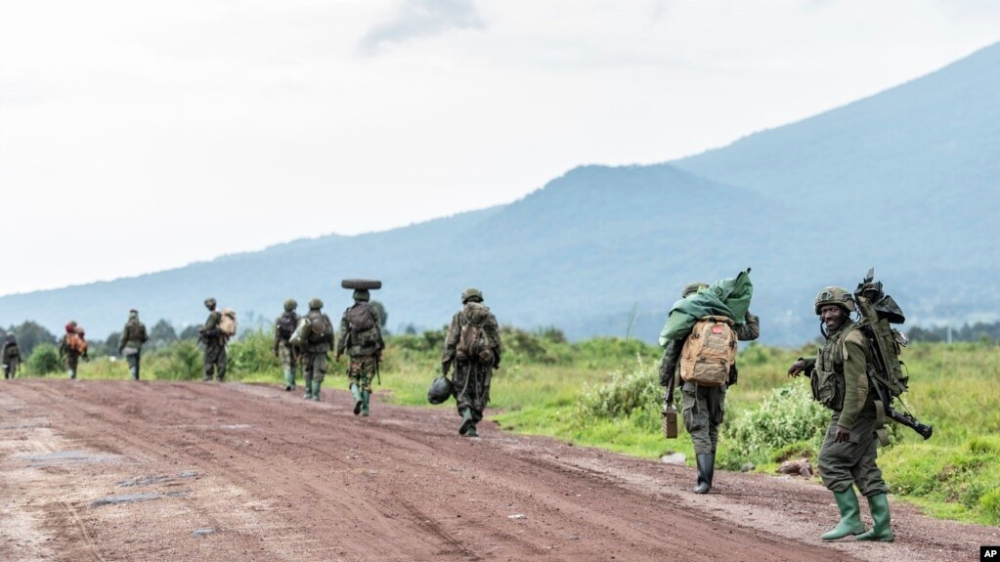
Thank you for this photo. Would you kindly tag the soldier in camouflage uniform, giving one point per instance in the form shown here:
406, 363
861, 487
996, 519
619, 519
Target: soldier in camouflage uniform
67, 352
284, 326
215, 343
838, 377
314, 351
130, 344
361, 338
703, 407
11, 356
475, 357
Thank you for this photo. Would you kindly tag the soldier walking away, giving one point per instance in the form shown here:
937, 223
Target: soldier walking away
72, 347
284, 326
11, 356
215, 343
130, 344
361, 339
839, 381
703, 403
317, 344
473, 346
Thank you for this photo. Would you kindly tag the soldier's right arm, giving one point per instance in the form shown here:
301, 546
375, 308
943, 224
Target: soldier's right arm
345, 332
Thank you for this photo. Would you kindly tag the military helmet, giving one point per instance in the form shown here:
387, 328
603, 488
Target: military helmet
361, 295
291, 305
693, 288
471, 294
315, 304
210, 302
835, 295
441, 389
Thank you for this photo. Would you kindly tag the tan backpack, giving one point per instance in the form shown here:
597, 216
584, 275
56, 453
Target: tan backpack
709, 351
227, 323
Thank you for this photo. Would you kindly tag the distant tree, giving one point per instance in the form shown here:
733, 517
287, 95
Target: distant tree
44, 359
162, 335
382, 314
190, 333
29, 335
111, 344
410, 330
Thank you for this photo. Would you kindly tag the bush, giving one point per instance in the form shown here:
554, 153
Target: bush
788, 416
182, 362
626, 394
253, 353
44, 359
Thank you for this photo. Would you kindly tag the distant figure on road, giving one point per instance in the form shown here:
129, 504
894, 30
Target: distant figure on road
130, 344
72, 347
11, 356
473, 346
284, 326
838, 376
215, 343
703, 403
318, 342
361, 339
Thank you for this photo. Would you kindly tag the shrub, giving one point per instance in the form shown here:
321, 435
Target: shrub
182, 362
626, 394
44, 359
253, 353
788, 416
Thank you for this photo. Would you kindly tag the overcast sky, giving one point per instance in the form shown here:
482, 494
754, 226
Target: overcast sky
137, 136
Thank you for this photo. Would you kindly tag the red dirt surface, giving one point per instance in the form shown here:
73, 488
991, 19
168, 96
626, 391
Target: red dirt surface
148, 471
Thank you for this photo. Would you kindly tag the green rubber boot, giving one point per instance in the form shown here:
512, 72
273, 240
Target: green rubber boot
289, 380
316, 384
466, 422
365, 395
850, 516
309, 390
880, 531
358, 400
472, 431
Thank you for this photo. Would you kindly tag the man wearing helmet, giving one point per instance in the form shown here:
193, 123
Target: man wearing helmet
284, 326
473, 345
215, 343
317, 345
131, 341
703, 407
361, 339
839, 381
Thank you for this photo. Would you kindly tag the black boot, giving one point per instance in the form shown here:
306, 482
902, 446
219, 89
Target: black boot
706, 469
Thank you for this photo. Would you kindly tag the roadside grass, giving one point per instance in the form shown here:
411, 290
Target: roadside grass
604, 393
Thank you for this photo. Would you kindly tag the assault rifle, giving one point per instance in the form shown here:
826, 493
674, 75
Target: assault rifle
877, 310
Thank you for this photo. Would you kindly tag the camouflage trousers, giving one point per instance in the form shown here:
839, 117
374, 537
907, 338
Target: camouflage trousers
704, 408
133, 364
215, 360
361, 371
72, 362
853, 461
10, 368
472, 387
313, 366
289, 358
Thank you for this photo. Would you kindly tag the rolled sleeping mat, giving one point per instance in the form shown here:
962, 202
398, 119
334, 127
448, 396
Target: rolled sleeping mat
364, 284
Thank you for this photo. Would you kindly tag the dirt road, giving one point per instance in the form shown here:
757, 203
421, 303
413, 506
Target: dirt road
117, 470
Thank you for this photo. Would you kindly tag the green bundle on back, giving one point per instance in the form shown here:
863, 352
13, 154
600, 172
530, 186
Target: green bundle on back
877, 312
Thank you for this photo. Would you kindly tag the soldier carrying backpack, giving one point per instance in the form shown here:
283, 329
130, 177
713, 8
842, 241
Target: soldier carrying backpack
704, 361
316, 344
284, 327
361, 339
473, 346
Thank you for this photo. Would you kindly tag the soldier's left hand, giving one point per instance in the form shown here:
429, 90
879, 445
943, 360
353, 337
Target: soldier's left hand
843, 435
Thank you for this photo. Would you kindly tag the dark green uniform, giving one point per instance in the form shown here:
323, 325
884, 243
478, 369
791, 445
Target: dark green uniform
11, 357
704, 407
364, 347
215, 347
284, 350
473, 370
845, 356
131, 342
71, 356
314, 354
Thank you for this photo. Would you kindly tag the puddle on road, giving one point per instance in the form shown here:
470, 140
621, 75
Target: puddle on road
129, 498
157, 479
62, 458
199, 533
